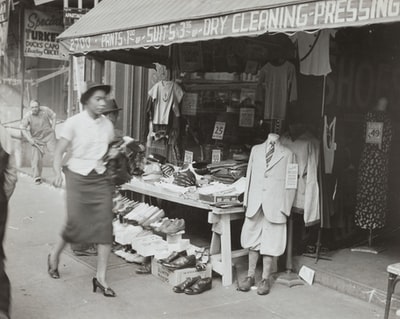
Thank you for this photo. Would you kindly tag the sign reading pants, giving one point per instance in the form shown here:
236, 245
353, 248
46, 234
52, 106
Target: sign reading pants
41, 31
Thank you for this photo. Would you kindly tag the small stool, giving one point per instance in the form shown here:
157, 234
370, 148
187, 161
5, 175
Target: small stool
394, 272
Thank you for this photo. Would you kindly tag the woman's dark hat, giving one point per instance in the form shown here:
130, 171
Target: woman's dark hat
89, 87
111, 106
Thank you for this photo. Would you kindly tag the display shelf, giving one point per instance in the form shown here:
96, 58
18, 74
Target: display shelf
220, 246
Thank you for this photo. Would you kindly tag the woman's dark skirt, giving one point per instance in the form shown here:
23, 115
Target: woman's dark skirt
89, 208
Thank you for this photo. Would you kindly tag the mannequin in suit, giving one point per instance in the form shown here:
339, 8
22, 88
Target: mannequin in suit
268, 204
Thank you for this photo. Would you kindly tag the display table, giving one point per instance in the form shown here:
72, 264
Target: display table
220, 248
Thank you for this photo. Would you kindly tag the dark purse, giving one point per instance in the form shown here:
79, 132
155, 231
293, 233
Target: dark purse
120, 161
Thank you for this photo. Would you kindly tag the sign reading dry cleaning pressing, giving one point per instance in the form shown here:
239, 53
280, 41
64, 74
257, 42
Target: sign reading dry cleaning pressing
41, 31
305, 16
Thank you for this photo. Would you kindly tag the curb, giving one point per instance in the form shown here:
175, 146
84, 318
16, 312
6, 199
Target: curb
348, 286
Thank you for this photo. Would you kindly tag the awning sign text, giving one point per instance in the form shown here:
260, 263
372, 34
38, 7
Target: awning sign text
305, 16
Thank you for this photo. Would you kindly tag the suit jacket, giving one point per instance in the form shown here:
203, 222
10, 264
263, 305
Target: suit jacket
306, 148
266, 186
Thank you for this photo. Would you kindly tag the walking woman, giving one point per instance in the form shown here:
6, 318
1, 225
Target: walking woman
88, 190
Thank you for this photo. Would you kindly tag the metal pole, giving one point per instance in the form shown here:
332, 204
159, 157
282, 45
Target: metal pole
22, 55
70, 86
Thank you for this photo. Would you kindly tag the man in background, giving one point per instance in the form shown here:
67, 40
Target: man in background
38, 127
8, 179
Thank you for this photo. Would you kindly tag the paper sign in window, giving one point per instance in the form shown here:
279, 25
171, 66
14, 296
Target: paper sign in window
188, 157
246, 118
374, 133
219, 130
292, 175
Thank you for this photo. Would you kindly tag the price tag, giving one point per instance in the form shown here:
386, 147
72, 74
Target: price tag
188, 157
219, 130
374, 133
292, 175
216, 156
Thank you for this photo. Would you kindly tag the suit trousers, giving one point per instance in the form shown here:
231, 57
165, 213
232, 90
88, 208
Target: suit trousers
259, 234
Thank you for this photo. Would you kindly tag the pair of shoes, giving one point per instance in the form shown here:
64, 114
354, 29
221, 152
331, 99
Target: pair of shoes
38, 181
165, 222
91, 251
107, 292
264, 287
135, 258
174, 255
175, 226
144, 269
52, 272
199, 286
246, 283
186, 284
182, 262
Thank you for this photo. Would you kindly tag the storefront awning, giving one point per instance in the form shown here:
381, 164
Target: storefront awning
130, 24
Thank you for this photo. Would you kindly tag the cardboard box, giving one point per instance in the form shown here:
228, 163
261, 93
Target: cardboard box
146, 239
181, 245
175, 277
152, 248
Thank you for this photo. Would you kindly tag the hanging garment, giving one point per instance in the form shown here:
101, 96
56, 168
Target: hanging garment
266, 199
373, 172
313, 49
166, 96
306, 149
329, 144
277, 87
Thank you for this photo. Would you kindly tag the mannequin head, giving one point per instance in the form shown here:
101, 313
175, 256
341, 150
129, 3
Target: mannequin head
382, 104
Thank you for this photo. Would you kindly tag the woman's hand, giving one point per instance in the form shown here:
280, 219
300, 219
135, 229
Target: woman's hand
58, 180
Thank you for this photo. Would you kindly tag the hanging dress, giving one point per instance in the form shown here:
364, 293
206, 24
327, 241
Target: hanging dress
371, 207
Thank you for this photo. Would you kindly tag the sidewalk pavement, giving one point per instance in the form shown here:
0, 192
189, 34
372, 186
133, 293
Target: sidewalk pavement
35, 220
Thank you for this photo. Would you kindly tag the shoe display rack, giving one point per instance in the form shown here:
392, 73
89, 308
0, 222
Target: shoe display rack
221, 253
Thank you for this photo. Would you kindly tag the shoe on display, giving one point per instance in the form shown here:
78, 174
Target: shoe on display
264, 287
144, 233
182, 262
199, 286
136, 258
174, 255
91, 251
246, 283
148, 214
155, 217
121, 253
186, 284
166, 222
176, 226
144, 269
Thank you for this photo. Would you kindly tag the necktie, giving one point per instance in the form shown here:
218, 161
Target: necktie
270, 152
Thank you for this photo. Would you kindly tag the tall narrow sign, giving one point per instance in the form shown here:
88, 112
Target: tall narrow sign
41, 31
4, 16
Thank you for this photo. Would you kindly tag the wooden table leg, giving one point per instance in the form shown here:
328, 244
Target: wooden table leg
226, 250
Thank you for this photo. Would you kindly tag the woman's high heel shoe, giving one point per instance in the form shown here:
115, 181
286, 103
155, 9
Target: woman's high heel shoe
52, 272
107, 292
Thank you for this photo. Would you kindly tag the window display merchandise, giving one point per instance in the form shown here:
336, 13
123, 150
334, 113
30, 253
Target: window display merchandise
268, 203
373, 172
